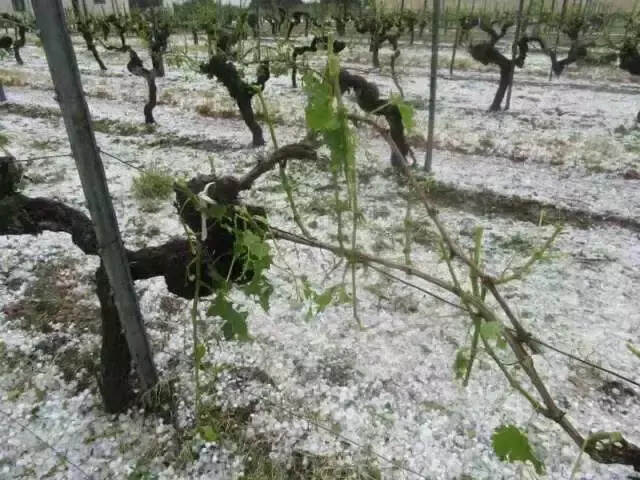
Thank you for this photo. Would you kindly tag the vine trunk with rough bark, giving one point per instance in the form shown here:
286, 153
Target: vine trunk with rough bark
136, 67
174, 260
241, 91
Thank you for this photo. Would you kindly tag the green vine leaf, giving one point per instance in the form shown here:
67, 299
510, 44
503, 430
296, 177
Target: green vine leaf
255, 255
512, 445
235, 322
490, 330
261, 288
406, 112
200, 352
633, 350
493, 331
324, 299
255, 248
208, 433
320, 301
320, 112
253, 251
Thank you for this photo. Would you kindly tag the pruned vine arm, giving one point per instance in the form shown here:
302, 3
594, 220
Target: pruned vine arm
300, 151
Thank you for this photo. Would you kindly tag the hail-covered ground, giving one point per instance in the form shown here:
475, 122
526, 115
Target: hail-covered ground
313, 394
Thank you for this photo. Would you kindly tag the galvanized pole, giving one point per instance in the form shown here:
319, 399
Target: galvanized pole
66, 80
433, 77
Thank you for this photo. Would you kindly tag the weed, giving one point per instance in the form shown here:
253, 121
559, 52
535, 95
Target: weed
10, 78
46, 144
31, 111
48, 178
216, 109
595, 167
152, 186
517, 243
167, 97
631, 141
420, 233
77, 365
460, 63
51, 299
417, 141
487, 143
103, 93
16, 365
212, 111
125, 129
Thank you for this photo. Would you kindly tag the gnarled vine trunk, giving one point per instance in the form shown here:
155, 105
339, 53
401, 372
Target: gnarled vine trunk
368, 98
173, 260
318, 43
115, 359
219, 67
487, 53
159, 43
20, 42
7, 43
630, 61
86, 31
136, 67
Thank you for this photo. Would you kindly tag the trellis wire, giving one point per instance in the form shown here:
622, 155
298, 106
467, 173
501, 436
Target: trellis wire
46, 444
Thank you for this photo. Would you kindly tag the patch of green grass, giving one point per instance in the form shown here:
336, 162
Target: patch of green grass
78, 365
487, 143
151, 187
631, 141
17, 368
103, 125
125, 129
45, 144
599, 153
517, 243
420, 233
31, 111
48, 178
103, 93
11, 78
595, 167
460, 63
214, 111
